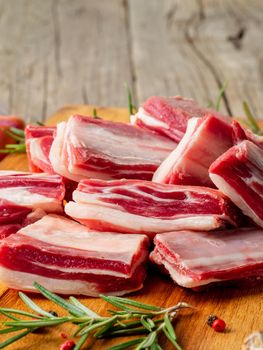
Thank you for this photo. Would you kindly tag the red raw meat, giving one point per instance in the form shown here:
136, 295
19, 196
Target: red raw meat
195, 259
241, 134
204, 141
26, 197
86, 147
7, 230
67, 258
145, 207
169, 115
38, 143
238, 173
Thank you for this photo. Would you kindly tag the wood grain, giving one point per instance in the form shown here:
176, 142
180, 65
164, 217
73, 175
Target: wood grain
241, 308
58, 52
191, 47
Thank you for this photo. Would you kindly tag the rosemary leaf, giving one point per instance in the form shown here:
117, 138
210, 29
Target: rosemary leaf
72, 309
18, 132
38, 323
125, 332
127, 344
9, 330
34, 306
147, 323
84, 308
169, 326
40, 123
251, 119
137, 304
97, 325
19, 312
15, 338
81, 342
13, 136
148, 341
174, 342
220, 95
12, 317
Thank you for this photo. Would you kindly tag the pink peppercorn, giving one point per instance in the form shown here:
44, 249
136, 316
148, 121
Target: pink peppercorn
68, 345
219, 325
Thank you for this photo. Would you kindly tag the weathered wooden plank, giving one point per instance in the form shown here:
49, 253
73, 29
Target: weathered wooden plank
192, 47
54, 53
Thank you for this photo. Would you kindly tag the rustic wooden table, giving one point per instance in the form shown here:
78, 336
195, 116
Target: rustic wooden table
64, 52
58, 52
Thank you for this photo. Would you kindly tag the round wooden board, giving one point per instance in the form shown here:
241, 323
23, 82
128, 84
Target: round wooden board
241, 308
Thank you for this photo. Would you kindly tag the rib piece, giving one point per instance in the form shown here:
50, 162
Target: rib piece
241, 134
145, 207
67, 258
238, 173
21, 192
38, 143
195, 259
87, 147
169, 115
204, 141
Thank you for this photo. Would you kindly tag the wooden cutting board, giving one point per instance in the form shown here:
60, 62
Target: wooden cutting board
242, 309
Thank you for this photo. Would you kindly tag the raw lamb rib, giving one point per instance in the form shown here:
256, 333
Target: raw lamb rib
26, 197
169, 115
67, 258
204, 141
195, 259
241, 134
145, 207
238, 173
38, 143
87, 147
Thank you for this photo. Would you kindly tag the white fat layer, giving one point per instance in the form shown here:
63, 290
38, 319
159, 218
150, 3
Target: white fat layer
224, 187
147, 150
147, 119
180, 279
24, 197
137, 223
109, 192
57, 156
166, 167
24, 281
65, 233
36, 152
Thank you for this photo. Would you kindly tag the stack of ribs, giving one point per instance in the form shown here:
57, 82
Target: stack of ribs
187, 177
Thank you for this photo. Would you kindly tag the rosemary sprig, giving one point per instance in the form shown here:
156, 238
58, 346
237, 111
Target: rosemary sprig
131, 318
251, 120
17, 135
131, 106
217, 103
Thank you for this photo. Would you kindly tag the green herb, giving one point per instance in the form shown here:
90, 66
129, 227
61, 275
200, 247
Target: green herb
17, 135
131, 318
251, 120
221, 93
131, 107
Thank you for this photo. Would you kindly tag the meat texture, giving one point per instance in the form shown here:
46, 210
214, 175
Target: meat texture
238, 173
26, 197
145, 207
241, 134
87, 147
204, 141
38, 143
169, 115
197, 259
67, 258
